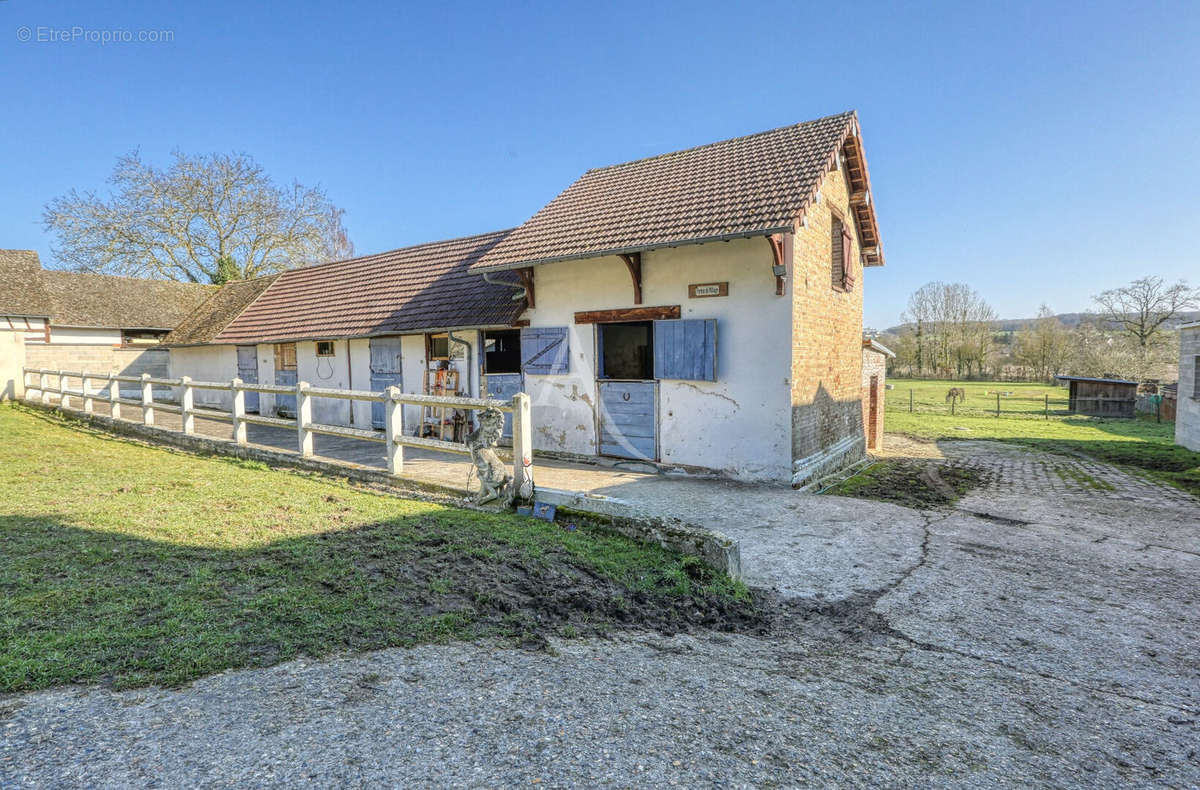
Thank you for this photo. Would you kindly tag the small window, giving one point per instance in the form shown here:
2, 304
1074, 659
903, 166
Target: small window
324, 348
439, 347
627, 351
502, 351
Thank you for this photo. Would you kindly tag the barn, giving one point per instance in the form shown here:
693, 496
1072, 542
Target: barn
1101, 397
698, 310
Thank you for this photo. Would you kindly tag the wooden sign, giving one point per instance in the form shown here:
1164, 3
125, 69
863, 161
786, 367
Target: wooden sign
701, 290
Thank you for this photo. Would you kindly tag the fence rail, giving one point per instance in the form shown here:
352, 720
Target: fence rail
392, 398
1008, 404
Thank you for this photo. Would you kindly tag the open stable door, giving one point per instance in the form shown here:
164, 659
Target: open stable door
628, 394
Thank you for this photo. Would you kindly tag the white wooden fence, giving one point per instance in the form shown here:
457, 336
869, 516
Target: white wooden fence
392, 398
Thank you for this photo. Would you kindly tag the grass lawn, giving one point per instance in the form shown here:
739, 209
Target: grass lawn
1141, 444
127, 565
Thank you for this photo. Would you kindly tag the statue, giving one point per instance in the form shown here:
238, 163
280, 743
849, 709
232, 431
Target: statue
495, 483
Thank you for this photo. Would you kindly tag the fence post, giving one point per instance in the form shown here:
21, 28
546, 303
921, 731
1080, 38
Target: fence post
910, 401
522, 446
42, 384
997, 405
304, 419
147, 400
393, 419
239, 411
26, 383
186, 403
87, 394
64, 400
114, 392
1047, 406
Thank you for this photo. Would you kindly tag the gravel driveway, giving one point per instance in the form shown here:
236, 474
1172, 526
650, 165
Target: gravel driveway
1044, 633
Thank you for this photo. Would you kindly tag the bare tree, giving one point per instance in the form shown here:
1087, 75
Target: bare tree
202, 219
953, 328
1142, 307
1044, 346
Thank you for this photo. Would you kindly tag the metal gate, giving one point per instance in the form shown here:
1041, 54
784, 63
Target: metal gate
285, 375
247, 367
628, 416
385, 372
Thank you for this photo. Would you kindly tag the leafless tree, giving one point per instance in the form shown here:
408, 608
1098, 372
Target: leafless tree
1044, 346
202, 219
1142, 307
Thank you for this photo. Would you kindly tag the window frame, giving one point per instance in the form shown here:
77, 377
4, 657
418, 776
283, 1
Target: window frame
332, 352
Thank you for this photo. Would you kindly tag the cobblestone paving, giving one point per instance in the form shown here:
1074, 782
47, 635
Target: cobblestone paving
1016, 470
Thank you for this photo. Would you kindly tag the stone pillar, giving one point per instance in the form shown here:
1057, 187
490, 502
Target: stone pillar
522, 446
239, 411
393, 417
186, 404
147, 400
304, 419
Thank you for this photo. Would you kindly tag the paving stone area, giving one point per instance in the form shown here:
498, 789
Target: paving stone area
1040, 634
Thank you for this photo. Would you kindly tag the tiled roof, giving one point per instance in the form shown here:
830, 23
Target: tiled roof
746, 186
207, 320
99, 300
92, 300
21, 290
429, 286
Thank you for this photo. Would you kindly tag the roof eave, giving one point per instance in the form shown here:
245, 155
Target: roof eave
750, 234
313, 338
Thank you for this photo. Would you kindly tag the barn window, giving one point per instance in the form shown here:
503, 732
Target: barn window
285, 356
502, 351
841, 246
626, 350
324, 348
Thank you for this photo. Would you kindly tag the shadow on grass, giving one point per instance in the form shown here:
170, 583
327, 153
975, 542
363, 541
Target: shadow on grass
80, 605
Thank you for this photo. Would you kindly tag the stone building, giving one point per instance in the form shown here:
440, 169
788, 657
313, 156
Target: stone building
1187, 401
696, 310
85, 322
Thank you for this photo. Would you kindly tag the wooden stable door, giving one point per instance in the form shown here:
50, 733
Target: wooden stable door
385, 372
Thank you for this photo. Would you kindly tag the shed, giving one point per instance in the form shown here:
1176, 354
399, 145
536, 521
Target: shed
1101, 397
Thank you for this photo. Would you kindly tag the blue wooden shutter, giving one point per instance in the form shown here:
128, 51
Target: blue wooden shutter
686, 349
544, 350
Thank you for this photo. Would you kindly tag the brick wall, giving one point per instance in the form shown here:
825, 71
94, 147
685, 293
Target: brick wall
101, 359
1187, 407
873, 364
826, 381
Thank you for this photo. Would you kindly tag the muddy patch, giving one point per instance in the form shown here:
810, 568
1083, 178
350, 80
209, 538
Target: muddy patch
911, 483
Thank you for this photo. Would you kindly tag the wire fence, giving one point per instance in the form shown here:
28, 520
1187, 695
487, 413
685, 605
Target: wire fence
1002, 403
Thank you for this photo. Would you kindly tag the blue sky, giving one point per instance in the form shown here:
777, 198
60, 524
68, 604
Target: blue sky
1040, 152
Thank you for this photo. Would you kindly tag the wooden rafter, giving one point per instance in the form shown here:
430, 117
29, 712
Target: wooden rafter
777, 259
526, 276
633, 262
663, 313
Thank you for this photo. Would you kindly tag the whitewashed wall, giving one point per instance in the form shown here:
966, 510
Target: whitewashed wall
76, 336
207, 363
348, 368
741, 423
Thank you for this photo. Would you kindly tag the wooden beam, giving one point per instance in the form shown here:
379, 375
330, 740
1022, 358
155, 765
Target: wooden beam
860, 198
777, 260
633, 262
526, 276
663, 313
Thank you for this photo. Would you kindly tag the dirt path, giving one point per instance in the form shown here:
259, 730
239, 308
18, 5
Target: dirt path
1040, 634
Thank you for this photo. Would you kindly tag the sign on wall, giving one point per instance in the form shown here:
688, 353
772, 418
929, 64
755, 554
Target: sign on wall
702, 290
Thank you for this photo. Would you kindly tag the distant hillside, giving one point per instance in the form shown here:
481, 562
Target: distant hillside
1068, 320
